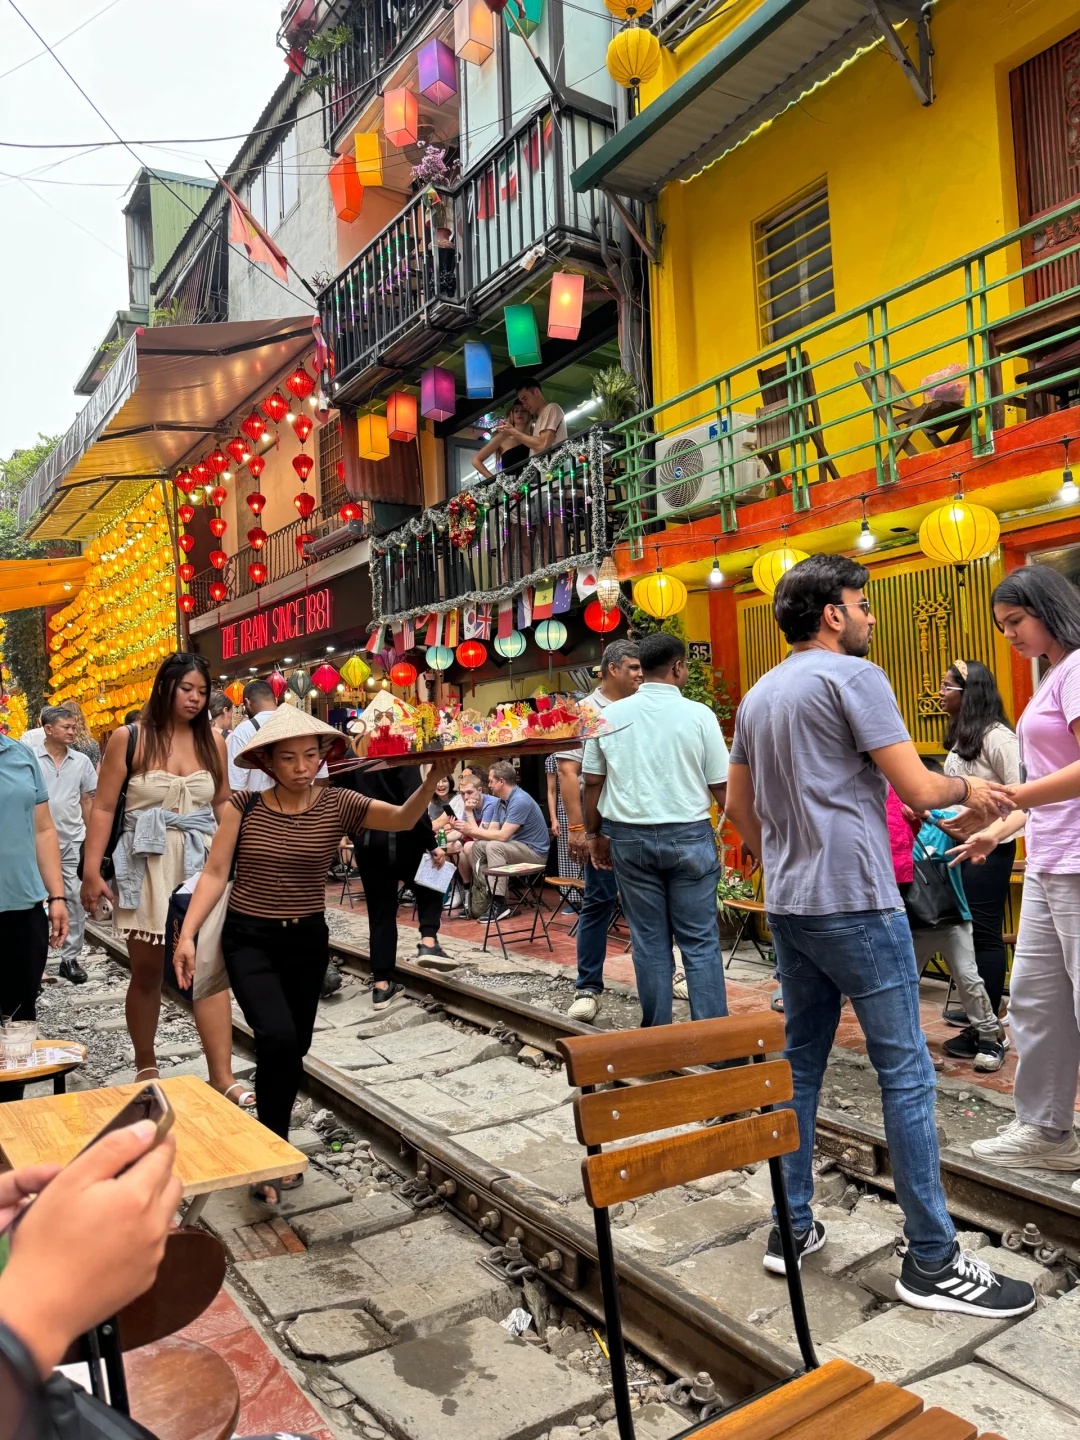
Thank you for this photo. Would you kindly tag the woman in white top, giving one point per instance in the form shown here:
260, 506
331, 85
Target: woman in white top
980, 742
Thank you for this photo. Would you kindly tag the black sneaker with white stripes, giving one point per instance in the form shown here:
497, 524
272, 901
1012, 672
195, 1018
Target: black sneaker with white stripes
805, 1244
964, 1285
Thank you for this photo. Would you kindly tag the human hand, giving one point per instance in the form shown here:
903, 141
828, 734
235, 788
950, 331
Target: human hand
975, 849
16, 1187
988, 800
93, 889
91, 1242
438, 856
184, 961
600, 852
554, 827
578, 842
440, 769
59, 924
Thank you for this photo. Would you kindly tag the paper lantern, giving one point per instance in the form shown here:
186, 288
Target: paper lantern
474, 31
368, 149
371, 435
217, 462
257, 537
510, 646
256, 465
355, 671
522, 336
218, 526
185, 481
471, 654
607, 584
479, 371
436, 71
346, 188
257, 572
218, 590
303, 465
278, 684
217, 496
770, 568
660, 595
218, 559
523, 16
633, 57
550, 634
958, 533
276, 406
565, 305
303, 426
299, 683
438, 657
601, 620
186, 603
301, 541
438, 398
299, 383
253, 427
325, 678
186, 543
256, 503
400, 117
185, 514
350, 511
403, 674
628, 9
238, 449
235, 691
186, 571
304, 503
201, 473
401, 423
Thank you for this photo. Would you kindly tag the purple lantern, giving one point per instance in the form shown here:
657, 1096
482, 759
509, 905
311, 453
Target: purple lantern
437, 398
438, 71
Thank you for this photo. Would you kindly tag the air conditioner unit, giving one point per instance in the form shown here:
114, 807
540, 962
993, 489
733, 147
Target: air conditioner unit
687, 465
330, 541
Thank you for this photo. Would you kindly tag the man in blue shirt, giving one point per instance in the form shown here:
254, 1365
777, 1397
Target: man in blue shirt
516, 834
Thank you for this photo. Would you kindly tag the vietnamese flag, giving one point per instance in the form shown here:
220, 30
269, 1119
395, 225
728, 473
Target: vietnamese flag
245, 230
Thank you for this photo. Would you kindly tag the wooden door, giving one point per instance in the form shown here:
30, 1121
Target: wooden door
1046, 131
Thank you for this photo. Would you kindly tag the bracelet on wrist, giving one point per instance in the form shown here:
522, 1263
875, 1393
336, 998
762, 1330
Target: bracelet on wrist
575, 827
52, 899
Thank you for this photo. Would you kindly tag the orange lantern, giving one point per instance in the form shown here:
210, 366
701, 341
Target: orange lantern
235, 691
401, 116
401, 416
373, 440
368, 156
474, 31
403, 674
565, 306
346, 188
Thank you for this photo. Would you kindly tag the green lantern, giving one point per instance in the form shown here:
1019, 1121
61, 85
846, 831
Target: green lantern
510, 646
523, 16
522, 334
439, 657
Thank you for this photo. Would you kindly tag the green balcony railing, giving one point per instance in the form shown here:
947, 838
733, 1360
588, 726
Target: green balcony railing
956, 355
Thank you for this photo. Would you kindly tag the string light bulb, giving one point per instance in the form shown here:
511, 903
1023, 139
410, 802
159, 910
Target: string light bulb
715, 578
866, 539
1070, 493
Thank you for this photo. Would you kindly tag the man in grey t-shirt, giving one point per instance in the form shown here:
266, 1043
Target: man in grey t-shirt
817, 742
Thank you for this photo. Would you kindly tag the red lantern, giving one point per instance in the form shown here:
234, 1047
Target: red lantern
217, 461
218, 527
257, 571
326, 677
301, 541
218, 590
185, 481
278, 684
200, 473
304, 503
303, 426
596, 620
346, 189
351, 511
186, 543
218, 496
471, 654
403, 674
300, 383
401, 416
238, 449
303, 465
218, 559
186, 571
276, 406
256, 465
186, 603
186, 513
256, 503
253, 427
257, 537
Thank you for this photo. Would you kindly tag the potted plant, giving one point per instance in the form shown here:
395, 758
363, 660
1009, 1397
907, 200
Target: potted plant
434, 175
617, 392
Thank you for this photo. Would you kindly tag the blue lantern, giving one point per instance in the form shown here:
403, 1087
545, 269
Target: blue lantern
438, 657
511, 646
479, 373
550, 634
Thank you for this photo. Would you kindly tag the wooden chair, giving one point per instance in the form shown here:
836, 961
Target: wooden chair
177, 1389
905, 416
776, 418
836, 1400
748, 910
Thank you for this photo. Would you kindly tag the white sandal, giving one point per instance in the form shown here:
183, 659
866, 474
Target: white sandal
244, 1101
156, 1075
679, 987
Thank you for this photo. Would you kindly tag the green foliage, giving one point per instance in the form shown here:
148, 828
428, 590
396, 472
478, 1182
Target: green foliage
617, 392
321, 47
732, 885
17, 469
24, 641
707, 686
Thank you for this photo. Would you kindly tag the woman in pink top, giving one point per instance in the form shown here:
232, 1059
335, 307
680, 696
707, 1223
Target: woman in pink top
1038, 612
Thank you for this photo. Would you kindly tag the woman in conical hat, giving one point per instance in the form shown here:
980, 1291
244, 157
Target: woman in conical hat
279, 844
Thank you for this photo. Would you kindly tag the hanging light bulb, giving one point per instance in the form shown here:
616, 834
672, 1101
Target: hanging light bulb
715, 578
1070, 493
866, 540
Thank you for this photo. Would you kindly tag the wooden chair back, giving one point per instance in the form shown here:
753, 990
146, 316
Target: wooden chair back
777, 384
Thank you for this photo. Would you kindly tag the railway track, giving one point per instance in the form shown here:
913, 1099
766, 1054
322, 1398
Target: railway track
667, 1322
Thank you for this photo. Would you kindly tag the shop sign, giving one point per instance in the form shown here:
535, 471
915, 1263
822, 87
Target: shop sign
701, 650
292, 619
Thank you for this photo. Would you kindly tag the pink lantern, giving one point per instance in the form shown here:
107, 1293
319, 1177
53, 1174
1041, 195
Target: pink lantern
437, 398
278, 684
437, 71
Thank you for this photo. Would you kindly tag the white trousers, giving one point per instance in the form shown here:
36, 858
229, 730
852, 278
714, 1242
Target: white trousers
1044, 1000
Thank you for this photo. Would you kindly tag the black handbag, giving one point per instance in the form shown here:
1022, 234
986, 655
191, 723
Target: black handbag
930, 900
107, 868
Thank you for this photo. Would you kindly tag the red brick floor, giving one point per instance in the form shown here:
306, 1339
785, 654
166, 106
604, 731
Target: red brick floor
270, 1399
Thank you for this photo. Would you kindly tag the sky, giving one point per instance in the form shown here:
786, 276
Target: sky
185, 73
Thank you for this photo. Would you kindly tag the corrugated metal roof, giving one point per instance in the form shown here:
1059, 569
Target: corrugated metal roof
751, 76
173, 206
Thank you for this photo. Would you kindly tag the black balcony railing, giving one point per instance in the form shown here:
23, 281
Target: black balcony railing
516, 198
281, 555
379, 32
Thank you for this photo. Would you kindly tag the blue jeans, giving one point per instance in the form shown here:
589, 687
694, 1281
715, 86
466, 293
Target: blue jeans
601, 893
868, 956
667, 877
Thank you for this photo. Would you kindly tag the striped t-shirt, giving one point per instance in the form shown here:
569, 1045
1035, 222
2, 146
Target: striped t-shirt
282, 860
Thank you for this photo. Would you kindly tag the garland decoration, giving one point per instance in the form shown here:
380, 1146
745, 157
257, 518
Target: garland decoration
462, 515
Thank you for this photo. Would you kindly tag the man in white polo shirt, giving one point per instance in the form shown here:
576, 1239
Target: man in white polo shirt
71, 781
649, 786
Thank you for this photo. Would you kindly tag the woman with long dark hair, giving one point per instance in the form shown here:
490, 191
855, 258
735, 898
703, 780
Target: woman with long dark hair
176, 785
981, 742
1038, 612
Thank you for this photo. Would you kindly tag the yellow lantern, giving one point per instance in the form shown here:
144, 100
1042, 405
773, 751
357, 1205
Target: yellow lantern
633, 57
958, 533
770, 568
628, 9
355, 671
660, 595
373, 443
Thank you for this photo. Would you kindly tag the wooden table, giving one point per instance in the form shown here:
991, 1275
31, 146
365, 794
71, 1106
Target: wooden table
59, 1073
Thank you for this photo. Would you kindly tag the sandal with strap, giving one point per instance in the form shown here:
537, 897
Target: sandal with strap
145, 1069
245, 1100
679, 986
259, 1191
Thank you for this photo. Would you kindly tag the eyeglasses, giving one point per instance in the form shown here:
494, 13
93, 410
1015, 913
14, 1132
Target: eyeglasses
956, 689
863, 605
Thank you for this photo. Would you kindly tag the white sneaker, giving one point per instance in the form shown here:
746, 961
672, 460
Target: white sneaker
679, 987
585, 1008
1019, 1146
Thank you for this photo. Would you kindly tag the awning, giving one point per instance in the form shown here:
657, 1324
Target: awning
27, 583
170, 389
783, 50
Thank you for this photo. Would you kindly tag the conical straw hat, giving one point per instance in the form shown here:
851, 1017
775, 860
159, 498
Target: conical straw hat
286, 723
